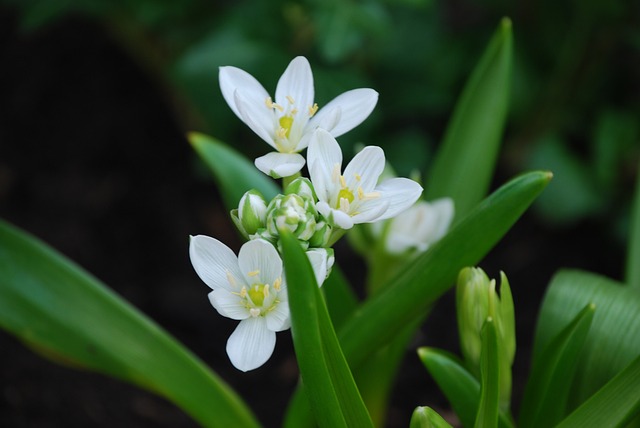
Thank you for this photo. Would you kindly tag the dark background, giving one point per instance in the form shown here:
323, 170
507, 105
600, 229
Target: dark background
94, 162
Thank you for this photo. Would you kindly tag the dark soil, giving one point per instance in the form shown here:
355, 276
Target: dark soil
93, 162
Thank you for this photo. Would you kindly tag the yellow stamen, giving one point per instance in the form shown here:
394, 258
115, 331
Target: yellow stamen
343, 182
243, 292
313, 109
277, 283
286, 122
357, 176
360, 193
290, 99
231, 279
253, 273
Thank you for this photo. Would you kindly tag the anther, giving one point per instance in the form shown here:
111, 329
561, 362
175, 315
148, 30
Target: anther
277, 283
343, 182
290, 99
253, 273
313, 109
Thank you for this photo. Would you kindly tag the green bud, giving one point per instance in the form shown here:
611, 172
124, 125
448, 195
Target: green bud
293, 212
321, 235
301, 186
476, 300
426, 417
252, 212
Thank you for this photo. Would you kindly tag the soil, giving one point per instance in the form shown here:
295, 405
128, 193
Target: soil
94, 163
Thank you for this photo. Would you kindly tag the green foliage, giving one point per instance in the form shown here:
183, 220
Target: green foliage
426, 417
65, 314
489, 377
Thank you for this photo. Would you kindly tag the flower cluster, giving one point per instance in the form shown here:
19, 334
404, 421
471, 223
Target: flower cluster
317, 210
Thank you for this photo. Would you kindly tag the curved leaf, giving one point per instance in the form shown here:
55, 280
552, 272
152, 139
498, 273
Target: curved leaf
64, 313
464, 164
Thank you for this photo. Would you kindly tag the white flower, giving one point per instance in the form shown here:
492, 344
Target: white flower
250, 288
285, 123
420, 226
353, 197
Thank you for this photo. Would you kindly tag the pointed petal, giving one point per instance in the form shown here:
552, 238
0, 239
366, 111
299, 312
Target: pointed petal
212, 260
318, 258
228, 305
257, 117
334, 216
400, 193
296, 82
251, 344
233, 78
278, 319
371, 210
367, 165
259, 255
327, 119
323, 155
279, 165
356, 105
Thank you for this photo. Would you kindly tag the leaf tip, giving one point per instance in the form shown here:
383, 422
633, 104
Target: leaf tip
506, 24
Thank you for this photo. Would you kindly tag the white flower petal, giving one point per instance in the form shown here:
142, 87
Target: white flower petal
444, 211
212, 261
322, 156
279, 165
398, 244
365, 168
400, 193
355, 105
279, 319
318, 257
251, 344
326, 119
228, 304
233, 78
341, 219
371, 210
257, 117
296, 82
259, 255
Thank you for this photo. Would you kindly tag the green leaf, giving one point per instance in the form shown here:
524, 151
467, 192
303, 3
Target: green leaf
341, 300
233, 173
65, 314
409, 296
464, 164
612, 341
613, 405
632, 274
333, 394
547, 390
460, 387
426, 417
490, 377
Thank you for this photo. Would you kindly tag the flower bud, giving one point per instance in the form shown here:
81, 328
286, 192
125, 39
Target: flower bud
251, 213
301, 186
476, 300
292, 212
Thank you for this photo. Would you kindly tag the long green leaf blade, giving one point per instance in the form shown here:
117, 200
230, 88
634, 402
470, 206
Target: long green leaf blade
548, 388
632, 276
490, 377
613, 405
612, 342
333, 394
426, 417
60, 310
380, 318
430, 275
233, 173
464, 164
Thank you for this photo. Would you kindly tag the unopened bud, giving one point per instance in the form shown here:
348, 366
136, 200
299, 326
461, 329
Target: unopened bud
252, 212
301, 186
292, 212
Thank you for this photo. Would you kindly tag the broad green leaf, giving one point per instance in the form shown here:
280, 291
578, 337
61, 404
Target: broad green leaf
64, 313
410, 294
234, 174
547, 390
426, 417
464, 164
632, 276
613, 340
490, 377
341, 300
613, 405
460, 387
333, 394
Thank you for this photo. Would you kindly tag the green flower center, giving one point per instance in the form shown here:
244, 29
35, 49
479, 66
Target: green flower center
345, 193
286, 122
257, 293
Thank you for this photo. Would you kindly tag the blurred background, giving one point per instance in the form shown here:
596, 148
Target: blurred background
96, 98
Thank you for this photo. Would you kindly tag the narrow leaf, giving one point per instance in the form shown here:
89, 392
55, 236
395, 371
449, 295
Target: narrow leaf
613, 405
234, 174
632, 276
490, 377
64, 313
426, 417
333, 394
550, 379
411, 293
464, 164
460, 387
612, 341
341, 300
